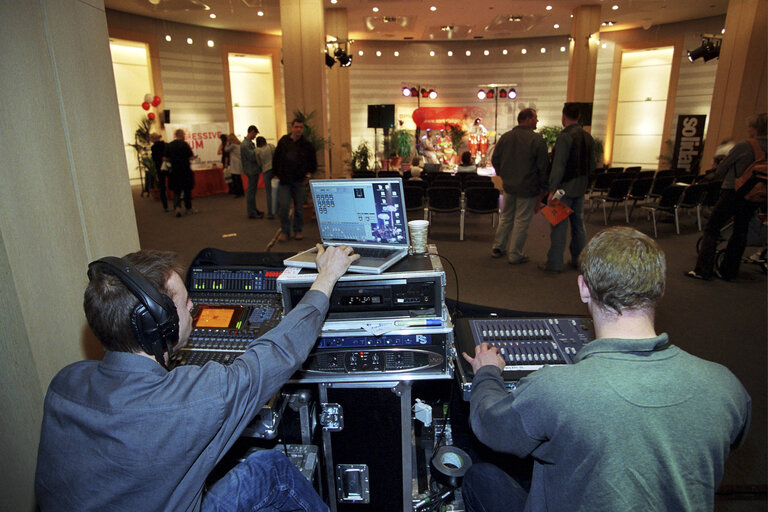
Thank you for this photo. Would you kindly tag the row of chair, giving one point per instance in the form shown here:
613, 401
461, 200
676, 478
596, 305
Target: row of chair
437, 198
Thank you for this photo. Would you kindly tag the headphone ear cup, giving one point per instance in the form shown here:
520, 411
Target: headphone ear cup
170, 331
146, 330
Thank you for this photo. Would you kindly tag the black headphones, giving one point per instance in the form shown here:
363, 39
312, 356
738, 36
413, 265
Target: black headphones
154, 320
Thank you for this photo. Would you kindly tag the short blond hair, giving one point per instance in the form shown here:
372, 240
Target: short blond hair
624, 269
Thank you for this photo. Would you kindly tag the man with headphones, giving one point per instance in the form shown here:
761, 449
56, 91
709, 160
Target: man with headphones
126, 434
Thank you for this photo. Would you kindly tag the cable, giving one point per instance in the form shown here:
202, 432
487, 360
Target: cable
456, 275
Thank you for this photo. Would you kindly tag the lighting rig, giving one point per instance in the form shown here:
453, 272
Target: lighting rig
338, 50
709, 49
419, 92
496, 92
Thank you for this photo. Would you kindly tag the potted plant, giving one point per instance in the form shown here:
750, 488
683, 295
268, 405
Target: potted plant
142, 146
550, 134
401, 146
361, 156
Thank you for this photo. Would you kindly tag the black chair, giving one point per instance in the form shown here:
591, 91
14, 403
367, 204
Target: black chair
616, 194
445, 180
660, 184
443, 200
414, 198
670, 198
615, 169
713, 193
666, 172
646, 174
389, 174
483, 201
417, 183
686, 178
478, 181
693, 197
602, 184
633, 169
364, 174
639, 191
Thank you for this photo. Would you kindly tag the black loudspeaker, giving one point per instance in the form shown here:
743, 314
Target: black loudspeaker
381, 116
166, 116
154, 320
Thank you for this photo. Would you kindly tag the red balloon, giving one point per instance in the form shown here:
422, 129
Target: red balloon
145, 105
151, 116
156, 101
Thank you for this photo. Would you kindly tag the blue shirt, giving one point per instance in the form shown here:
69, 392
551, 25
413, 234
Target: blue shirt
124, 434
634, 425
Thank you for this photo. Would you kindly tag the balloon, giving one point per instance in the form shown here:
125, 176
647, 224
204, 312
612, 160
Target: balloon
148, 98
156, 101
151, 116
145, 105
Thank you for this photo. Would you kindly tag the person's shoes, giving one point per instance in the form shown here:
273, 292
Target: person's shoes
257, 215
178, 212
496, 253
283, 237
298, 236
191, 211
695, 275
522, 260
545, 268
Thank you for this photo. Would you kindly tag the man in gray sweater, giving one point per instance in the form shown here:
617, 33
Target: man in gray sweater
635, 424
520, 158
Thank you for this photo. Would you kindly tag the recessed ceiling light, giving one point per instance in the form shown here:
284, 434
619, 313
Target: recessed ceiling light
562, 48
360, 53
523, 51
467, 53
375, 9
212, 16
334, 1
378, 53
486, 52
556, 25
450, 53
189, 40
210, 43
615, 7
543, 50
605, 45
397, 54
431, 53
549, 7
168, 37
505, 51
433, 8
260, 13
571, 16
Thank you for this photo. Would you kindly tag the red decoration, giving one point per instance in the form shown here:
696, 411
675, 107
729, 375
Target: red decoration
145, 105
151, 116
156, 101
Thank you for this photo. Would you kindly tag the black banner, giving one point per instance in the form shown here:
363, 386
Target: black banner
688, 142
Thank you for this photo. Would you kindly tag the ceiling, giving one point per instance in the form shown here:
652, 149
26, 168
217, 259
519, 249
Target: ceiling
397, 20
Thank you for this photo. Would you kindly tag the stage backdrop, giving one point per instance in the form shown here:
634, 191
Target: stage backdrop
435, 118
203, 138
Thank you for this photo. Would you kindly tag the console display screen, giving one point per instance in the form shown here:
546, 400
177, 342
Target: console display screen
215, 317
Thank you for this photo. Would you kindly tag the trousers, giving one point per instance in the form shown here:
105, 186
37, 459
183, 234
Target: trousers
558, 234
515, 219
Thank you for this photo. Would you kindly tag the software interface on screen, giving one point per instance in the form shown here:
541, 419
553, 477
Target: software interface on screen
356, 212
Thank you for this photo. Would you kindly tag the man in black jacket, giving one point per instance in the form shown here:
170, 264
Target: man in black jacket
294, 162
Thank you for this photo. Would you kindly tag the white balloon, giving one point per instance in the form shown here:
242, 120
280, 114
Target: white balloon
148, 98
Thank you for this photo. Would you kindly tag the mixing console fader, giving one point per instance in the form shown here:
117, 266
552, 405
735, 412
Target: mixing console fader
233, 307
525, 344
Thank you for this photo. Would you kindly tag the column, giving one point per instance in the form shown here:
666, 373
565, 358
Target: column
740, 82
582, 63
303, 26
339, 124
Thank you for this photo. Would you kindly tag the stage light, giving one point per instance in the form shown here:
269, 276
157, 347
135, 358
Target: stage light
432, 94
481, 94
512, 94
345, 61
489, 94
424, 93
406, 91
329, 61
414, 92
502, 93
708, 50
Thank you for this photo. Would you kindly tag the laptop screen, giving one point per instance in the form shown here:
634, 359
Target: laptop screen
370, 211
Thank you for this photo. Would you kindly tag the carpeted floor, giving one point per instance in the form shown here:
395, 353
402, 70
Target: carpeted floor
720, 321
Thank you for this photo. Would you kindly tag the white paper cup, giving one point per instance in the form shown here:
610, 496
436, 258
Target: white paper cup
418, 231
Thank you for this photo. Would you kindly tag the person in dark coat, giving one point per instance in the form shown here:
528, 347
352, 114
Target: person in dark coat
182, 179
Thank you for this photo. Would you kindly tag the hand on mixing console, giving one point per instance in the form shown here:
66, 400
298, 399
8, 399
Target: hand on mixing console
485, 355
332, 263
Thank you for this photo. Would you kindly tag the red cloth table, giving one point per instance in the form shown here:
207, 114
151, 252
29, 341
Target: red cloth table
209, 182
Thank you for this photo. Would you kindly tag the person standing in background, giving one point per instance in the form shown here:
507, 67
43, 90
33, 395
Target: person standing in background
294, 162
251, 169
182, 179
235, 164
264, 154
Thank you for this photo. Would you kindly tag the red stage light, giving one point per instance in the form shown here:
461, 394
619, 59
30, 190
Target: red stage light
502, 93
489, 94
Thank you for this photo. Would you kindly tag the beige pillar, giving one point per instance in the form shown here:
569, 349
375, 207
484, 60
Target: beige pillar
582, 62
303, 27
65, 200
740, 82
339, 124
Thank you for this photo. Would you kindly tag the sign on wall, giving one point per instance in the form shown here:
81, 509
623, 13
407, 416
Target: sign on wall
688, 142
203, 138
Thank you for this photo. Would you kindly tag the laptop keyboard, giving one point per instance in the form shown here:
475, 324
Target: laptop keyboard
371, 252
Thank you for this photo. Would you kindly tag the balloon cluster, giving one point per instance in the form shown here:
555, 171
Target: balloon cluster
150, 101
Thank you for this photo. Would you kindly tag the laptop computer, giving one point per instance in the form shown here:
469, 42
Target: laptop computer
365, 214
